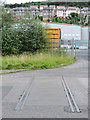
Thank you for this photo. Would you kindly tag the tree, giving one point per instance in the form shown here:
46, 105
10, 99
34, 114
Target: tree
29, 36
6, 19
73, 15
82, 18
74, 18
48, 20
41, 18
54, 19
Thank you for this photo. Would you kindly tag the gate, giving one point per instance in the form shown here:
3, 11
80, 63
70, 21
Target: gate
82, 51
74, 48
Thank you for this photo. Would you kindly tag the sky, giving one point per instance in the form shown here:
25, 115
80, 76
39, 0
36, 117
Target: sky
20, 1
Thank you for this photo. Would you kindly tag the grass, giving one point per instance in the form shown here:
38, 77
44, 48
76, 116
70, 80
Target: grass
37, 61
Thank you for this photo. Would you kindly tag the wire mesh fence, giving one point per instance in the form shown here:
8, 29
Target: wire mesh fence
75, 48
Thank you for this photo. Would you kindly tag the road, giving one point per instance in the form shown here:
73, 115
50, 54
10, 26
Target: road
80, 53
47, 98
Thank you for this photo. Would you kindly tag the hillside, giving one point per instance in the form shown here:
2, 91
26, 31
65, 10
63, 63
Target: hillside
79, 4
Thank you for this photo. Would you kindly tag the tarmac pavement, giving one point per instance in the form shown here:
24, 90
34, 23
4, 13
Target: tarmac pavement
47, 98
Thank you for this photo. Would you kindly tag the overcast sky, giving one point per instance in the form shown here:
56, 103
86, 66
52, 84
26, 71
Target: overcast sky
20, 1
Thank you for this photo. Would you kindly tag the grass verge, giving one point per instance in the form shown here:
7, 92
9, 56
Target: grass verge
37, 61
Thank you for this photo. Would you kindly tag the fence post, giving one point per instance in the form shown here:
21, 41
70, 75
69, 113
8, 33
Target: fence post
60, 45
60, 42
73, 47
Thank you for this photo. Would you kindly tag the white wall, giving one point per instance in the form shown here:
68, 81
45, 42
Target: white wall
59, 13
71, 29
66, 29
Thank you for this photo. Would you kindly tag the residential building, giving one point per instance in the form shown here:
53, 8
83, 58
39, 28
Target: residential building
34, 10
43, 6
71, 10
64, 12
41, 9
61, 11
40, 12
34, 6
52, 6
48, 12
25, 12
19, 12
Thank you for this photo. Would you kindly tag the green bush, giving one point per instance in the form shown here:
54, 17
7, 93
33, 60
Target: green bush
29, 36
10, 42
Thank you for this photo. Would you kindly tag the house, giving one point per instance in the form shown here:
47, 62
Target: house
52, 6
61, 11
71, 10
41, 9
43, 6
64, 12
34, 10
48, 12
34, 6
19, 12
25, 12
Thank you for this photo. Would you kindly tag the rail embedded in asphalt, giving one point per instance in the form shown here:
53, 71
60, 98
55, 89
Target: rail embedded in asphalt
73, 105
24, 95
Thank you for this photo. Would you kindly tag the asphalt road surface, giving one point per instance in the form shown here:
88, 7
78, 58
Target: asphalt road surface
80, 53
47, 98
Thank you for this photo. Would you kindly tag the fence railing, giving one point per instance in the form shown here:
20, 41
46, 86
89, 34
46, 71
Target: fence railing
74, 48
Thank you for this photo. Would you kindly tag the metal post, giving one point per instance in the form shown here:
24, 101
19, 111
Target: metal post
52, 47
60, 42
73, 47
60, 45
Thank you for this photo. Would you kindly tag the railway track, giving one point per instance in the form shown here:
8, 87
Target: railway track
72, 103
24, 96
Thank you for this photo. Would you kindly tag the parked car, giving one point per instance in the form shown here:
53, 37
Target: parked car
75, 47
69, 46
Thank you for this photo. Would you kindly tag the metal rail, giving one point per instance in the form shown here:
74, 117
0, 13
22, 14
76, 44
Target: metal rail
75, 104
23, 97
70, 95
26, 96
69, 100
